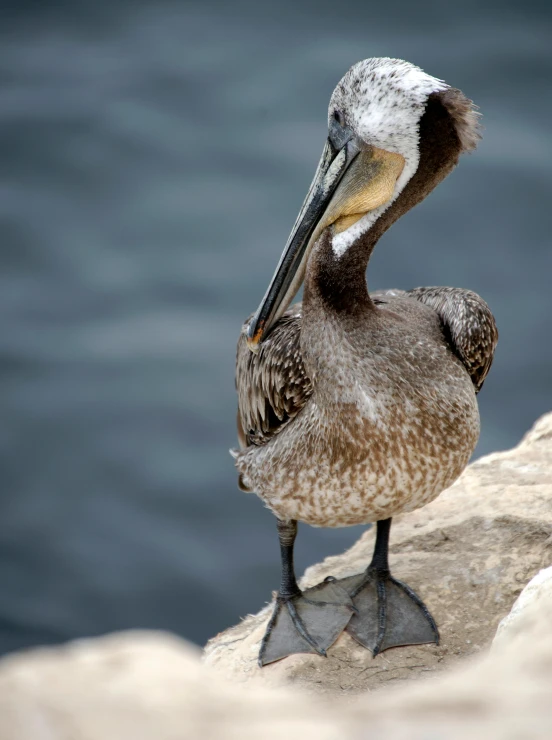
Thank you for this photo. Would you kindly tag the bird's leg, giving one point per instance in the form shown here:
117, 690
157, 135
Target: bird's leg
303, 621
389, 613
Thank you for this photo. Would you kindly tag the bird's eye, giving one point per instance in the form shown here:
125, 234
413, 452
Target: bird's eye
338, 116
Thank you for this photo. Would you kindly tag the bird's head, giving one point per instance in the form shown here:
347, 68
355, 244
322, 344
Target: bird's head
392, 128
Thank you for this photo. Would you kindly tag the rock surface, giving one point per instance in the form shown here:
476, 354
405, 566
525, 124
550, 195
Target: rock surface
536, 598
152, 686
468, 555
138, 686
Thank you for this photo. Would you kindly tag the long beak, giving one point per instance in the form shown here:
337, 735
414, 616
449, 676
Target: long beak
344, 188
291, 268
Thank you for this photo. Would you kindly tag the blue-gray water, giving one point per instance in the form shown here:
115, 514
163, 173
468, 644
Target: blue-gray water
153, 159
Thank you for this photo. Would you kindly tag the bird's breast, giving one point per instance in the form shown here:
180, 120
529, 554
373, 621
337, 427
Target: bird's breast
366, 452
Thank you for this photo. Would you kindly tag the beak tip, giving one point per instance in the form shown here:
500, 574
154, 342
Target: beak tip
253, 336
253, 346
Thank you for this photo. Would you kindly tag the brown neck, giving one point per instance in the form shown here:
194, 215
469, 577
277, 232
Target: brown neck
341, 282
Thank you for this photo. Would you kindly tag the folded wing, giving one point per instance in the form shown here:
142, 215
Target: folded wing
272, 385
467, 322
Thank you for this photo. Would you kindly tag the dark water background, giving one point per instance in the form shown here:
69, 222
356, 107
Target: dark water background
153, 159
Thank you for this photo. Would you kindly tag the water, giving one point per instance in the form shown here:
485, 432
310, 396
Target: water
154, 157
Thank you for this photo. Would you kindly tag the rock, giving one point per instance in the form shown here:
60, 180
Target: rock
139, 686
537, 592
468, 555
152, 686
499, 696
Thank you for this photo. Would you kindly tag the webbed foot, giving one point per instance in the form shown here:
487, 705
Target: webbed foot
389, 613
306, 622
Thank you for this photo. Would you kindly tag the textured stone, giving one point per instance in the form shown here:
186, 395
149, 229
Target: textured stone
138, 686
152, 686
537, 593
468, 555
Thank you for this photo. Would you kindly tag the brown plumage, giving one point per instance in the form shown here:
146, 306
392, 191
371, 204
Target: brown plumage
289, 428
354, 407
273, 385
468, 325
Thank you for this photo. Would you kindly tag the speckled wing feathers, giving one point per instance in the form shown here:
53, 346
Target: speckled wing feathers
468, 325
272, 385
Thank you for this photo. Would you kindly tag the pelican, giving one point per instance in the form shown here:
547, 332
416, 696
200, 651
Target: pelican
355, 407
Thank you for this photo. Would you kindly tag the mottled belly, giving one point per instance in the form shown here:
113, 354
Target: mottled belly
346, 470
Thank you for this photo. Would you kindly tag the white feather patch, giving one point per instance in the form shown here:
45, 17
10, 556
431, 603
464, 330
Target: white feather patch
383, 100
